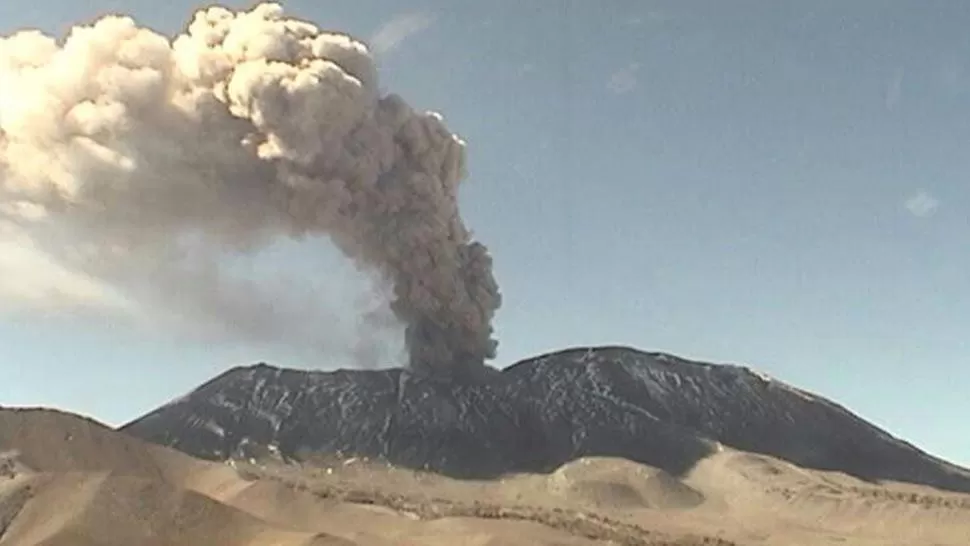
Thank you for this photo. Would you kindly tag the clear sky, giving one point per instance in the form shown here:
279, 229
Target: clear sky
778, 184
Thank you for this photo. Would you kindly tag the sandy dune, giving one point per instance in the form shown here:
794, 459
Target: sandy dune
67, 481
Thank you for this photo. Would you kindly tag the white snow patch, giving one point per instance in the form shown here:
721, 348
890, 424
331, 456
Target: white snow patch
214, 428
760, 375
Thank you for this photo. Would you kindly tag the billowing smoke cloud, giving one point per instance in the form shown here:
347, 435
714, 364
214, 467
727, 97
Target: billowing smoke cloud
135, 159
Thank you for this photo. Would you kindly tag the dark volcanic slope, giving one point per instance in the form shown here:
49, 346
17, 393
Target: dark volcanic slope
649, 407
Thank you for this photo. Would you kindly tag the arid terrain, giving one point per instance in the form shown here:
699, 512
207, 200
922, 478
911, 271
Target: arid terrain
69, 481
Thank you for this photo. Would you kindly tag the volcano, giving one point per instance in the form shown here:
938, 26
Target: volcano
648, 407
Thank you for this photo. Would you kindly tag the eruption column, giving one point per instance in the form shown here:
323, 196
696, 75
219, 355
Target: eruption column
247, 128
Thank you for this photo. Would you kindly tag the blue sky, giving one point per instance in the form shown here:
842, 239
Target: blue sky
784, 188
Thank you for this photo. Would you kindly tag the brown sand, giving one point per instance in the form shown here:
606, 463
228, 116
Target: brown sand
68, 481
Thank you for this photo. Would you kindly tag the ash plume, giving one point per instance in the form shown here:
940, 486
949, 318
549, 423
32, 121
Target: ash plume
132, 158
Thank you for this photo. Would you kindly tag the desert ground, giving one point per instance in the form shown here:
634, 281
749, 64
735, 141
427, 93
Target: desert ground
69, 481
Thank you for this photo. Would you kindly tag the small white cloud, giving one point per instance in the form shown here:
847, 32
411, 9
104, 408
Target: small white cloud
624, 80
922, 205
894, 90
650, 17
394, 32
634, 21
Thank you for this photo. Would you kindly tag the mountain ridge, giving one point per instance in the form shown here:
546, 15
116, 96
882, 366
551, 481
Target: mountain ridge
649, 407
